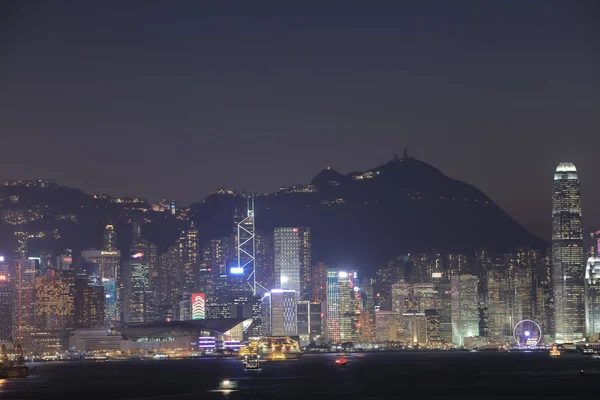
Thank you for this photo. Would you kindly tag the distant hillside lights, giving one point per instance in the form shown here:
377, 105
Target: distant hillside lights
298, 189
366, 175
40, 183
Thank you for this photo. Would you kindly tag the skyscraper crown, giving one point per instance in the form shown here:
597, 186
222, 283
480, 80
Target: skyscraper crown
566, 167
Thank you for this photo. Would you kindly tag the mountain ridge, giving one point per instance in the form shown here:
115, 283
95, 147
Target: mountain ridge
402, 206
360, 219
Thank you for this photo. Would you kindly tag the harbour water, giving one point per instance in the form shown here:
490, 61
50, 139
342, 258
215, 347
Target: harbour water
406, 375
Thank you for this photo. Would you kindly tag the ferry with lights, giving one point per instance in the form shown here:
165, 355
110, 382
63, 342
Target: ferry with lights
272, 348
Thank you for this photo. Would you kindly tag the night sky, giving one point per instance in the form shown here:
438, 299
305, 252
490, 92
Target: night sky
179, 98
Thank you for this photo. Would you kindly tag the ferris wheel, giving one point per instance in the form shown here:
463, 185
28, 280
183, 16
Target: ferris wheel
527, 333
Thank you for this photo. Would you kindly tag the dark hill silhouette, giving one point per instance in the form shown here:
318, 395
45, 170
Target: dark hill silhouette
360, 220
364, 219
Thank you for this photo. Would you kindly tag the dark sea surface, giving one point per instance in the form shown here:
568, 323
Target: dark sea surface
406, 375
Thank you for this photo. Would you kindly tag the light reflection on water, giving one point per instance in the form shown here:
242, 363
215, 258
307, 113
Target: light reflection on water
312, 376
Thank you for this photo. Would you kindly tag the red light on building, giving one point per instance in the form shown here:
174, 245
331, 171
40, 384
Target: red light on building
294, 229
3, 278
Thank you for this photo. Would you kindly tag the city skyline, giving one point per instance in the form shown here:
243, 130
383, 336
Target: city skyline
310, 199
430, 299
493, 116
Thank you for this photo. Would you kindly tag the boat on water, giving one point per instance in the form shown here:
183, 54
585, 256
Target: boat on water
13, 368
252, 361
554, 353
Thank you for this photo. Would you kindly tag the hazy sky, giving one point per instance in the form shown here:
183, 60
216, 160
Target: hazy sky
179, 98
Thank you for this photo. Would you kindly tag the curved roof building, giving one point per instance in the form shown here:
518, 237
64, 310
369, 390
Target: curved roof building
224, 328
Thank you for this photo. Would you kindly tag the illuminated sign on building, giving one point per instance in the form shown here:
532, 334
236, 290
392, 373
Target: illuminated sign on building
138, 255
3, 278
198, 306
236, 270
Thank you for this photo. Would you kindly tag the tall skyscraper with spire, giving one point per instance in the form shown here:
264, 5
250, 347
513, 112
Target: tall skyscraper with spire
567, 255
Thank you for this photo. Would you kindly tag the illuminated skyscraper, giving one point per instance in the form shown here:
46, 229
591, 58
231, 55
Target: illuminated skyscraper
187, 245
414, 327
309, 320
7, 303
64, 262
167, 284
108, 264
279, 313
22, 238
456, 264
238, 289
332, 316
524, 294
433, 326
413, 297
465, 308
110, 239
137, 296
387, 325
499, 303
394, 272
55, 303
341, 306
212, 266
592, 296
567, 255
293, 260
424, 296
443, 304
89, 305
347, 304
367, 315
422, 267
402, 297
319, 282
265, 273
26, 293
